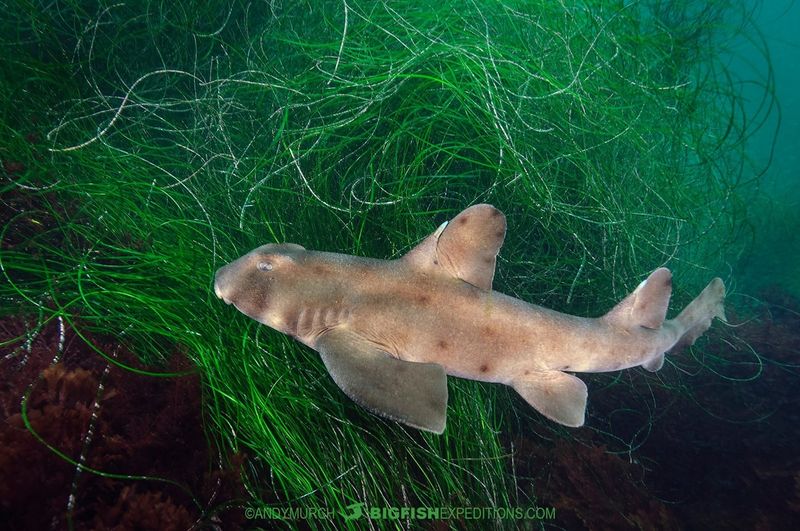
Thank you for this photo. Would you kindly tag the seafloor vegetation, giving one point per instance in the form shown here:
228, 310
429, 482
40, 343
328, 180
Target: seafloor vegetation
144, 145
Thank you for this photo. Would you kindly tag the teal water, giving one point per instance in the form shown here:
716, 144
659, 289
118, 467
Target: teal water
776, 218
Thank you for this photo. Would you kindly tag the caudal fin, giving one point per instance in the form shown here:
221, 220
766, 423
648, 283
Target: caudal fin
697, 316
647, 307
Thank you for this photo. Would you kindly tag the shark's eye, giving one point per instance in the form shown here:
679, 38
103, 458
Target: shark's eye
264, 266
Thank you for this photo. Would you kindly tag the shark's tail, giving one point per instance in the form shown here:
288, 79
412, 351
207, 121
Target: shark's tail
694, 320
562, 397
647, 307
697, 316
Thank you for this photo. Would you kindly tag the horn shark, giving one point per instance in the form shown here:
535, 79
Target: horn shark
390, 331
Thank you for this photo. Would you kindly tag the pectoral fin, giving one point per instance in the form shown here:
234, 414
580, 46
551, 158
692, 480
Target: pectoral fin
412, 393
556, 395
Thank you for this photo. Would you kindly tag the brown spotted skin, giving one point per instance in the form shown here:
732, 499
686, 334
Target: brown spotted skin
436, 305
424, 317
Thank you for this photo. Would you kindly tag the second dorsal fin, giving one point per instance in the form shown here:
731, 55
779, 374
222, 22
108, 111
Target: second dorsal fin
465, 247
647, 305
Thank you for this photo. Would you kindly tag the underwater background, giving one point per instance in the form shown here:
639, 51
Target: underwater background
144, 145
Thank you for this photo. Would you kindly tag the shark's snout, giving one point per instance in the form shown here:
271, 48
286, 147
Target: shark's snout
220, 295
219, 284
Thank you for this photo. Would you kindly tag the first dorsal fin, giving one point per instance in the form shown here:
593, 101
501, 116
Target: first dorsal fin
465, 247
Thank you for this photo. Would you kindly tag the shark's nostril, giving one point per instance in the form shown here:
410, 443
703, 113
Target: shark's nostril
222, 284
220, 294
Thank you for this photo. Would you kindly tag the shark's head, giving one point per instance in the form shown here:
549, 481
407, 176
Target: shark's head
252, 283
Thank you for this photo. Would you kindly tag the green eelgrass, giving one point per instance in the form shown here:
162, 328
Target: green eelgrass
174, 138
